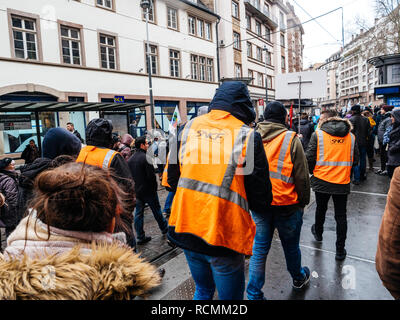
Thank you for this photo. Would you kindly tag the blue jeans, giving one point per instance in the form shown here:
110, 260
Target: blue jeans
359, 171
289, 232
225, 273
168, 201
155, 207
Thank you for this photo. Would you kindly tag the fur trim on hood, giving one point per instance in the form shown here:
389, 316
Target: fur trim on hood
336, 126
109, 272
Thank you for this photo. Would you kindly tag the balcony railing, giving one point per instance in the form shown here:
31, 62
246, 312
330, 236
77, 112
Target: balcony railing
262, 10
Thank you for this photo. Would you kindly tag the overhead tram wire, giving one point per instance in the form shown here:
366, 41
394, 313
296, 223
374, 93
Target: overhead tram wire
322, 27
295, 26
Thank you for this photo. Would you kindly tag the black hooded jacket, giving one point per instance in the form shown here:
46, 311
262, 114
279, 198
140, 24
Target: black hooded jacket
232, 97
394, 141
306, 129
9, 188
26, 182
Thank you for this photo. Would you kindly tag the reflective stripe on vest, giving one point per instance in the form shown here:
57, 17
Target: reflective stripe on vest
107, 159
281, 166
281, 160
335, 157
223, 191
321, 161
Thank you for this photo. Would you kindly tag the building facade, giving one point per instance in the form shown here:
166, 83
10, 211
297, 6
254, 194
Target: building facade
295, 34
253, 44
331, 65
95, 50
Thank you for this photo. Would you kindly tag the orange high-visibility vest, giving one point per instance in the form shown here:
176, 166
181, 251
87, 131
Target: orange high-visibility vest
280, 169
164, 181
334, 157
210, 201
95, 156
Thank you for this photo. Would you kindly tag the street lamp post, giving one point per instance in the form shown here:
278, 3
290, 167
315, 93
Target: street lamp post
266, 77
146, 5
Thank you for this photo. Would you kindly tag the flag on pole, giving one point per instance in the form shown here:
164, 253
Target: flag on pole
349, 106
175, 120
291, 116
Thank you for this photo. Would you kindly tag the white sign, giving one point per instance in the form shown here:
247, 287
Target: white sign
15, 122
313, 85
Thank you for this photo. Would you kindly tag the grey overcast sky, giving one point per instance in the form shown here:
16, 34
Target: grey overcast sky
319, 44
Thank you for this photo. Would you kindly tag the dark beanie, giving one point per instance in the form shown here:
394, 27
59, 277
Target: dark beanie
356, 108
4, 163
275, 112
387, 108
59, 141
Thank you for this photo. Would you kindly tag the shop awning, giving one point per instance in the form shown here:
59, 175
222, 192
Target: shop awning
67, 106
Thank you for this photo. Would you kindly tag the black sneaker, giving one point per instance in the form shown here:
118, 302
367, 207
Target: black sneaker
299, 285
316, 236
165, 230
145, 240
355, 182
341, 255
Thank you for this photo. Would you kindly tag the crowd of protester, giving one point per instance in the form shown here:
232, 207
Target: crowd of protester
79, 206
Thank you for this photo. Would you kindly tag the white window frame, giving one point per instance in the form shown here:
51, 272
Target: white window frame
103, 4
70, 41
153, 59
24, 40
235, 9
175, 63
108, 50
172, 18
236, 40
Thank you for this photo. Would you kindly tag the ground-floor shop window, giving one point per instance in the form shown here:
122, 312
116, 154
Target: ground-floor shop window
163, 112
15, 141
193, 109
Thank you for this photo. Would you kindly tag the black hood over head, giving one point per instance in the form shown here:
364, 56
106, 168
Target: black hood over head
59, 141
234, 97
396, 116
336, 126
99, 133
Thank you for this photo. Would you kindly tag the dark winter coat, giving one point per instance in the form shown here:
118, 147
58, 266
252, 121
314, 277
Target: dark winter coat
30, 154
361, 129
26, 182
339, 128
99, 134
388, 253
9, 188
78, 135
143, 174
125, 148
383, 125
306, 129
394, 141
232, 97
269, 131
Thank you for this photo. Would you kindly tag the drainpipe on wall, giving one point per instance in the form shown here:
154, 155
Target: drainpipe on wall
218, 64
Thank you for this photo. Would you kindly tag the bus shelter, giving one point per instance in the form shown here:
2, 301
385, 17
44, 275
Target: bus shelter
8, 122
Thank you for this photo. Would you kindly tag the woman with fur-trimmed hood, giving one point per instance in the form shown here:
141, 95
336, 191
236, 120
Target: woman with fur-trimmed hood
65, 248
337, 127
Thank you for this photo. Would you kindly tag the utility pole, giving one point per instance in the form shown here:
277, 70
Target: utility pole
146, 5
266, 76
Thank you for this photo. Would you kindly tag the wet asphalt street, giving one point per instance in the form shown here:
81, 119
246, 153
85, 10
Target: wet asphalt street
355, 278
